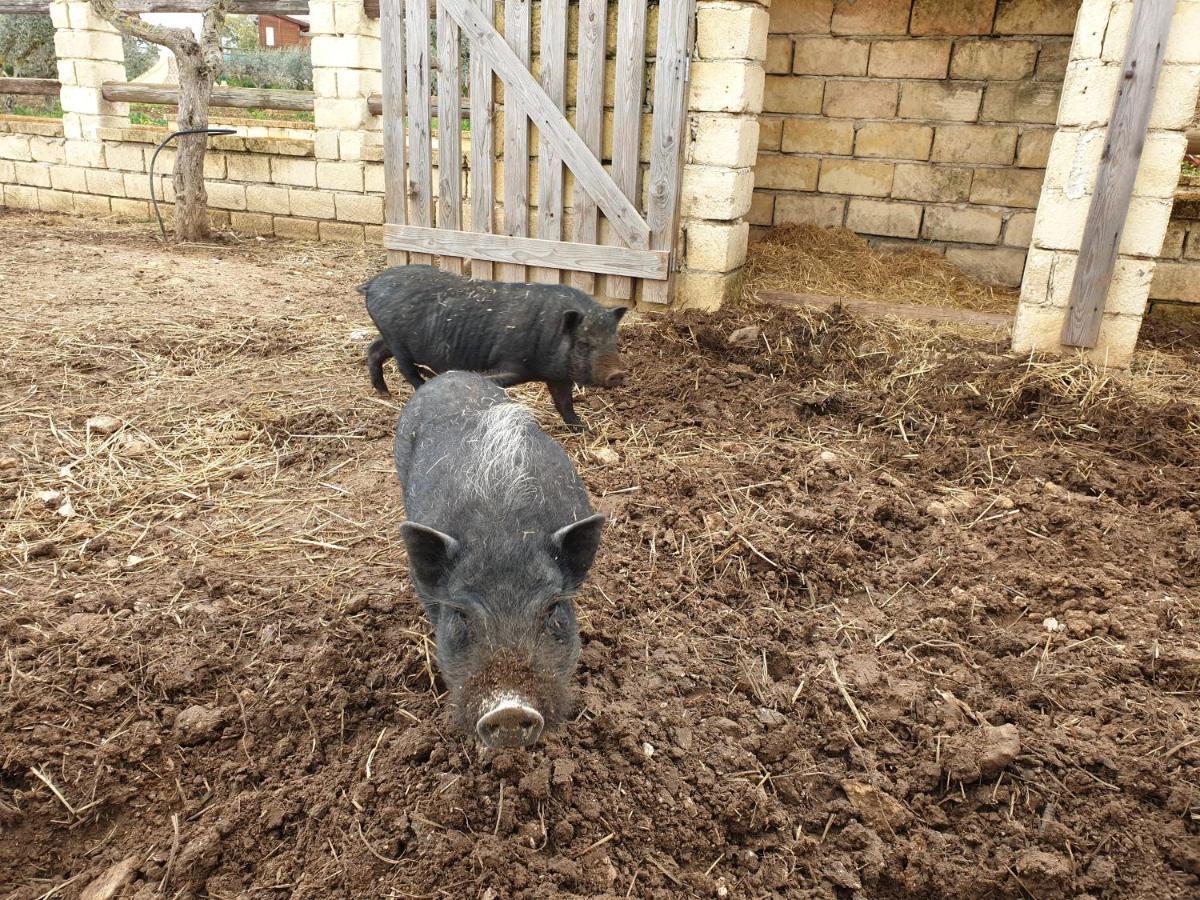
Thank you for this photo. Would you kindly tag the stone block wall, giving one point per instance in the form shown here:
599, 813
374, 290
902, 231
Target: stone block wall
913, 121
1177, 275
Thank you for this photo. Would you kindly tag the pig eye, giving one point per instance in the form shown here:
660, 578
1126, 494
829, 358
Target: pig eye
457, 628
558, 618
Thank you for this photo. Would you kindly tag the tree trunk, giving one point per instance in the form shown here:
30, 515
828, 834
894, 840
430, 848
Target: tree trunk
191, 198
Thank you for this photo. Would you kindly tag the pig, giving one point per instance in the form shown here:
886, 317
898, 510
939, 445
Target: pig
500, 536
514, 333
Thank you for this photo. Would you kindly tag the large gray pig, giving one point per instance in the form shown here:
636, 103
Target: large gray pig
500, 535
512, 332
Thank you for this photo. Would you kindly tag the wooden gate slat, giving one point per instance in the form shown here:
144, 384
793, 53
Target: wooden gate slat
625, 219
449, 94
550, 169
589, 120
420, 153
483, 196
667, 132
627, 116
395, 210
516, 136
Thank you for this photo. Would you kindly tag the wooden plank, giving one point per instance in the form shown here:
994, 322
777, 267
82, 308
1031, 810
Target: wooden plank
1118, 169
241, 7
45, 87
671, 67
483, 148
420, 152
516, 132
627, 115
625, 219
395, 205
525, 251
873, 309
239, 98
449, 133
589, 120
550, 168
375, 104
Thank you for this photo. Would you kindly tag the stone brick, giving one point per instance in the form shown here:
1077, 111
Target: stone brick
791, 94
1173, 241
1052, 61
705, 290
358, 208
810, 209
762, 209
1035, 17
779, 55
991, 144
312, 204
711, 192
731, 32
343, 232
7, 173
100, 181
1088, 93
1191, 249
248, 167
33, 174
56, 201
15, 147
226, 196
770, 132
1116, 35
137, 185
291, 171
967, 224
48, 150
1145, 226
19, 196
1033, 148
1029, 102
267, 199
1059, 221
1007, 187
952, 16
830, 56
214, 166
907, 58
251, 223
1158, 170
91, 205
134, 210
860, 99
87, 45
856, 176
800, 16
325, 144
940, 100
1176, 281
1019, 229
993, 60
786, 173
999, 265
1073, 161
893, 140
875, 17
716, 246
819, 135
127, 157
1182, 44
1175, 101
934, 184
373, 179
726, 86
339, 176
883, 217
373, 234
723, 141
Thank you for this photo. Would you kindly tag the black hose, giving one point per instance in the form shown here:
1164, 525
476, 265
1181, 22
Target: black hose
170, 137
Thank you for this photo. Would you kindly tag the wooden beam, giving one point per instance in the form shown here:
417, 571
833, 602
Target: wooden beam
874, 310
240, 98
395, 197
241, 7
1118, 169
45, 87
525, 251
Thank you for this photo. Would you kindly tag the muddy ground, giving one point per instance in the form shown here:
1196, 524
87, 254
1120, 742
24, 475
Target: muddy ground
880, 613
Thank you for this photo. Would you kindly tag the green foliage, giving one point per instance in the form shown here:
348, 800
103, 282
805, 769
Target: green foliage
279, 69
139, 56
51, 110
27, 46
240, 33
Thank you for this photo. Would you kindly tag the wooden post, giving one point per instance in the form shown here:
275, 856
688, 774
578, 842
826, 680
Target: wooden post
395, 196
1118, 170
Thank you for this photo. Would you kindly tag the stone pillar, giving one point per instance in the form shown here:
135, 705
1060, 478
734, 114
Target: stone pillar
346, 71
718, 176
89, 53
1093, 74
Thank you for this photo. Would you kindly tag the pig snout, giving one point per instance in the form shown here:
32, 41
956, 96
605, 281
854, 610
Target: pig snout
609, 372
509, 721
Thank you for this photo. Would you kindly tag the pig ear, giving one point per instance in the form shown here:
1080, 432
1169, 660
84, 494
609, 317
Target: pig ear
575, 547
430, 553
619, 312
570, 320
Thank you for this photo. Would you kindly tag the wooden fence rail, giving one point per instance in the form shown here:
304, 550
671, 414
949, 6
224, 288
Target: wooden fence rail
240, 98
242, 7
46, 87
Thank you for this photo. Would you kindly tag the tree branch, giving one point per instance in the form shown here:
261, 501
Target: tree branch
179, 40
210, 34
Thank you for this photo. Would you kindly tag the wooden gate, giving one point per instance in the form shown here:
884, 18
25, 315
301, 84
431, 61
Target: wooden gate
607, 233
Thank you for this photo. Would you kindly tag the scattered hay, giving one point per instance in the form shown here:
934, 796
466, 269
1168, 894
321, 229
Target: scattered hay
836, 261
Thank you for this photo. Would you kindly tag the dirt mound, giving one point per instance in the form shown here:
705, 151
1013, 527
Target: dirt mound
879, 613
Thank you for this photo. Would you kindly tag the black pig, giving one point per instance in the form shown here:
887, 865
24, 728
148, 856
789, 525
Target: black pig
500, 535
514, 333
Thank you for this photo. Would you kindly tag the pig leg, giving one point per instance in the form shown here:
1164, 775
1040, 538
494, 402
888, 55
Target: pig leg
407, 367
377, 354
505, 379
560, 393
